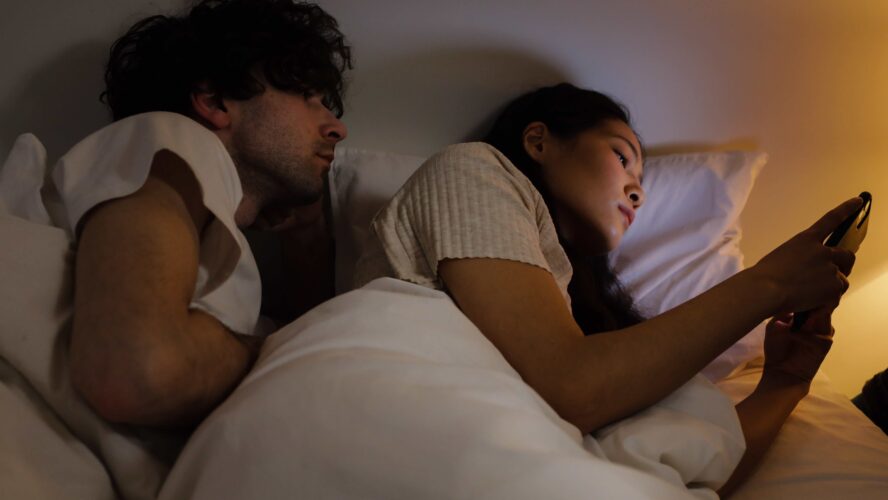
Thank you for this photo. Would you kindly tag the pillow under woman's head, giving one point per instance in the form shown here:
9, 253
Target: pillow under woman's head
686, 237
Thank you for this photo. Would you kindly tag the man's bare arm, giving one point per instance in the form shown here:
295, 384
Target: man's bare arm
138, 354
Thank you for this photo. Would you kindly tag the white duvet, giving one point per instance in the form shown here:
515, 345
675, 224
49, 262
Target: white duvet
391, 392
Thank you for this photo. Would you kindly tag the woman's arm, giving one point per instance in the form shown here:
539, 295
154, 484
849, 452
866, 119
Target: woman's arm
594, 380
762, 414
791, 361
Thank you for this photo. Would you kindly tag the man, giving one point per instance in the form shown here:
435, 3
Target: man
152, 342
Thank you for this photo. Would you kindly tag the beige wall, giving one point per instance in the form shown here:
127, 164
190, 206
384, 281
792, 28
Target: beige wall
805, 80
53, 54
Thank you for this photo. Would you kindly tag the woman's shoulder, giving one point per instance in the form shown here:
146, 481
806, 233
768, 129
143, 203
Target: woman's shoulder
464, 178
479, 154
476, 162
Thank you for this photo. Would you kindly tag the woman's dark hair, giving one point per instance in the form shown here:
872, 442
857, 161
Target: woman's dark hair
226, 46
598, 300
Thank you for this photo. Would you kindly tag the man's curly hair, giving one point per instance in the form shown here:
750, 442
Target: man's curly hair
227, 47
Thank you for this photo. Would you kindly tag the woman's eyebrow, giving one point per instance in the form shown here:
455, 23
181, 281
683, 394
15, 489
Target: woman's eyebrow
628, 143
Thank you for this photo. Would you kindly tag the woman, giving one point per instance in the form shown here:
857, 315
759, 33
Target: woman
517, 231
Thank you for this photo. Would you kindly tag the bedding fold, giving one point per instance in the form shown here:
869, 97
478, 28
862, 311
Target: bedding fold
389, 391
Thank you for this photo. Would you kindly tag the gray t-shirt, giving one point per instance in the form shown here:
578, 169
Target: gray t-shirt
467, 201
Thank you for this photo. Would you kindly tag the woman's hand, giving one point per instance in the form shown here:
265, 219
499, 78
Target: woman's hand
806, 273
795, 356
791, 360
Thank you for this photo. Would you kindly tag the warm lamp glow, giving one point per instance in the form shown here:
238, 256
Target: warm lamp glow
861, 344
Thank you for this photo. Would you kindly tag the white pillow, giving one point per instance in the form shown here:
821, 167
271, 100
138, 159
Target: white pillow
686, 238
361, 182
687, 233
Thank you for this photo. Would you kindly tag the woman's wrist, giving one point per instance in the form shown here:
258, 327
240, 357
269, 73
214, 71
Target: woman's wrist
776, 380
765, 287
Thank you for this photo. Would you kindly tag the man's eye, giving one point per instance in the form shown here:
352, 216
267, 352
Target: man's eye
322, 99
313, 96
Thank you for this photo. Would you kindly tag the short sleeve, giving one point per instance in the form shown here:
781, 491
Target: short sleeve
115, 162
467, 201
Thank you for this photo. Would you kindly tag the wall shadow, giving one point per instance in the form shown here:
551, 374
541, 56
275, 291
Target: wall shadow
420, 102
59, 102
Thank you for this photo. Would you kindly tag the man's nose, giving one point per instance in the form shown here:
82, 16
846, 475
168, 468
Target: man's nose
334, 130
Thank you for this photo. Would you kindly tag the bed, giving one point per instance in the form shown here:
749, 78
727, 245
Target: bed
389, 392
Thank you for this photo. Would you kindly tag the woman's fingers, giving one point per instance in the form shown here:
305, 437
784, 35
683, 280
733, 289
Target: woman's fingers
819, 321
809, 273
843, 259
831, 220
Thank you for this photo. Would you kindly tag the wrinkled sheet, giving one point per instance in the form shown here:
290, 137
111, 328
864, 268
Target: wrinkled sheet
391, 392
826, 450
35, 307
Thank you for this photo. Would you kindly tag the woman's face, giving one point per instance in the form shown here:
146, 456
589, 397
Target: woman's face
595, 181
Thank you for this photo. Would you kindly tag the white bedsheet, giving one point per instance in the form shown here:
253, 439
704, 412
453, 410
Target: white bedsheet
827, 450
391, 392
303, 421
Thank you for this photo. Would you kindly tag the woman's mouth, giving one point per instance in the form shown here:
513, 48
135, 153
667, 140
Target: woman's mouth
628, 213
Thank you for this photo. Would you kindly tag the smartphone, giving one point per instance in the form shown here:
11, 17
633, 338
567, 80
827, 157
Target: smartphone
848, 235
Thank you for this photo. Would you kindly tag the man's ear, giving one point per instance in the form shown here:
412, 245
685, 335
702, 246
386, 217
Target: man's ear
210, 108
536, 139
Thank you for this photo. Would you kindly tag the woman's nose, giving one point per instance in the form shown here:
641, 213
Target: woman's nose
636, 195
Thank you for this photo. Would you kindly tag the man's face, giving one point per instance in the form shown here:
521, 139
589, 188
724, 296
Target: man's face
282, 144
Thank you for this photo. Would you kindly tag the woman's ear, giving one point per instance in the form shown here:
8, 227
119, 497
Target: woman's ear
210, 109
535, 139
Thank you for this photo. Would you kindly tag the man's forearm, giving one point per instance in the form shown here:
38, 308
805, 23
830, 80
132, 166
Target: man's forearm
170, 377
211, 364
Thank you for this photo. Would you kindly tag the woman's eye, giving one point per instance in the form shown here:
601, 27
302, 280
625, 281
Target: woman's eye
620, 157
